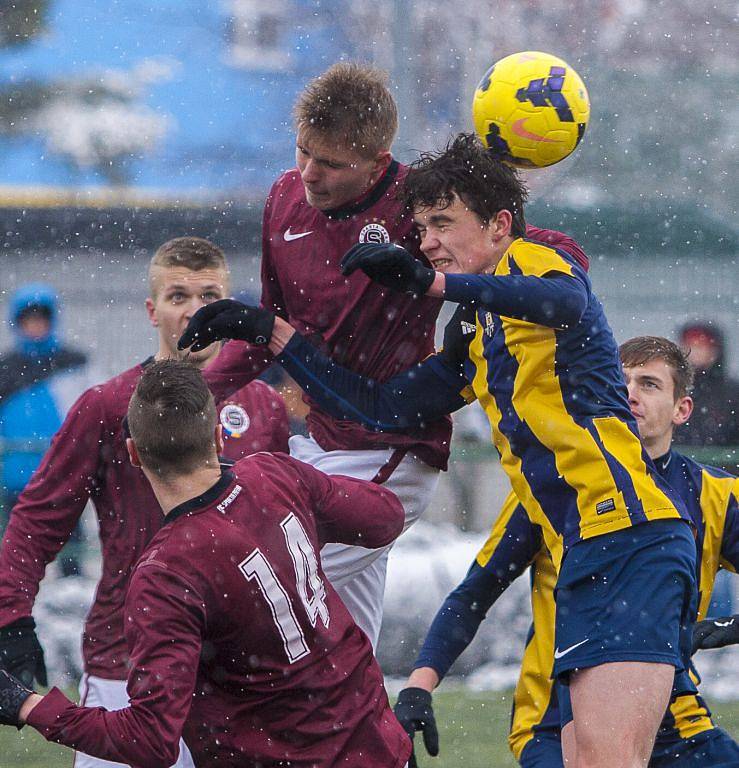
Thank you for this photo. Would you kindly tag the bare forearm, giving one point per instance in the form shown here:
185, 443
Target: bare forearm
438, 286
423, 677
28, 706
281, 334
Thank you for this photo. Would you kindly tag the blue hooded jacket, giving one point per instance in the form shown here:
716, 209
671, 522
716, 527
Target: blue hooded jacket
34, 389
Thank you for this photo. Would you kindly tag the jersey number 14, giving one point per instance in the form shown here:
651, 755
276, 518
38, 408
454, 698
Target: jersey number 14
310, 588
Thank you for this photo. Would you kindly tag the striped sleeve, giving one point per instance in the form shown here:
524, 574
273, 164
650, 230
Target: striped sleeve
730, 540
509, 550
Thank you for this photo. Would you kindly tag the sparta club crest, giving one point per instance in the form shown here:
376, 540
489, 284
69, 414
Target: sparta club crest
374, 233
234, 420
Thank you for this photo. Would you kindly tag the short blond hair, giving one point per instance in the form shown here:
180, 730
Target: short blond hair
193, 253
350, 104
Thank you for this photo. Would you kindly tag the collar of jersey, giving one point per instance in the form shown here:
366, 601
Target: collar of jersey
344, 212
662, 462
206, 499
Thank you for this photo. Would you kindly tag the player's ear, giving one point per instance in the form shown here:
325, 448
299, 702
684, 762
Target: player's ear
501, 224
382, 161
133, 454
683, 410
219, 439
151, 310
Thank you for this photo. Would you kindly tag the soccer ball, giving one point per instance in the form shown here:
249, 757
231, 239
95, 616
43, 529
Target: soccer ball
531, 109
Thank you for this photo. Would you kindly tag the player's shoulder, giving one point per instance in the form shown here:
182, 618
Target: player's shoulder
699, 468
713, 485
166, 566
264, 461
559, 240
287, 186
264, 471
531, 257
113, 395
719, 474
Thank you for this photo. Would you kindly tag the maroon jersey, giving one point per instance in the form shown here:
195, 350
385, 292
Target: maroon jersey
88, 460
239, 642
367, 328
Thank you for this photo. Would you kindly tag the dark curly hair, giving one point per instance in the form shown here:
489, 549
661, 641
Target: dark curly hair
468, 170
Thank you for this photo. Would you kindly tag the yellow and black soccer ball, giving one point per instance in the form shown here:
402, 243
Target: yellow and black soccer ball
531, 109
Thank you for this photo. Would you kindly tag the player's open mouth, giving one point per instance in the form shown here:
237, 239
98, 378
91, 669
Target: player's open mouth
440, 263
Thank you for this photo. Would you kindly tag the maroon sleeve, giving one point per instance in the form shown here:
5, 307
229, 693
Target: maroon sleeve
274, 405
351, 511
559, 240
239, 363
272, 298
165, 618
50, 505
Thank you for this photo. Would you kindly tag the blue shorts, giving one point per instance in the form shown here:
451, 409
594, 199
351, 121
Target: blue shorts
543, 751
628, 596
714, 748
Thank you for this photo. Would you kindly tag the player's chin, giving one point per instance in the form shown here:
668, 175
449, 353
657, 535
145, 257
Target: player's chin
319, 200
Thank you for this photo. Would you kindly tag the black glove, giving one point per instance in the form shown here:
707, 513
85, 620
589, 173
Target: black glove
415, 713
21, 653
227, 319
390, 265
12, 695
716, 633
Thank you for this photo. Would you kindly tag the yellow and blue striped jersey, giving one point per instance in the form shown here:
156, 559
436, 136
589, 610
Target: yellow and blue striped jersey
711, 497
544, 365
553, 392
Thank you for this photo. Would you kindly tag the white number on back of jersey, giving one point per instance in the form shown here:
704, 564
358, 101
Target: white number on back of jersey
256, 567
306, 570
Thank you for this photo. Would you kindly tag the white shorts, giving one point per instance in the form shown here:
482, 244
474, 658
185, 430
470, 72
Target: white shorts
357, 573
111, 694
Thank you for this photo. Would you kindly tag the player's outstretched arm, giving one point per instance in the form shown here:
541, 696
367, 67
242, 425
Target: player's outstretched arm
512, 545
41, 523
348, 510
425, 392
164, 662
509, 550
556, 299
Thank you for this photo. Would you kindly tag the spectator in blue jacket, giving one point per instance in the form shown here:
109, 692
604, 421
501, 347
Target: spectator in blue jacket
39, 379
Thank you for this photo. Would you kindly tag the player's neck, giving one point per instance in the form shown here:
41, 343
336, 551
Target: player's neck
172, 492
658, 446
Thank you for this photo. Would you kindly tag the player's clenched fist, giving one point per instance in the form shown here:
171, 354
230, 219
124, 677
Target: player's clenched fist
390, 265
415, 712
227, 319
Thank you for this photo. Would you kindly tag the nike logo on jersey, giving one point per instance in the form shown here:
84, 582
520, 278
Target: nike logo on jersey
289, 236
724, 623
559, 654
